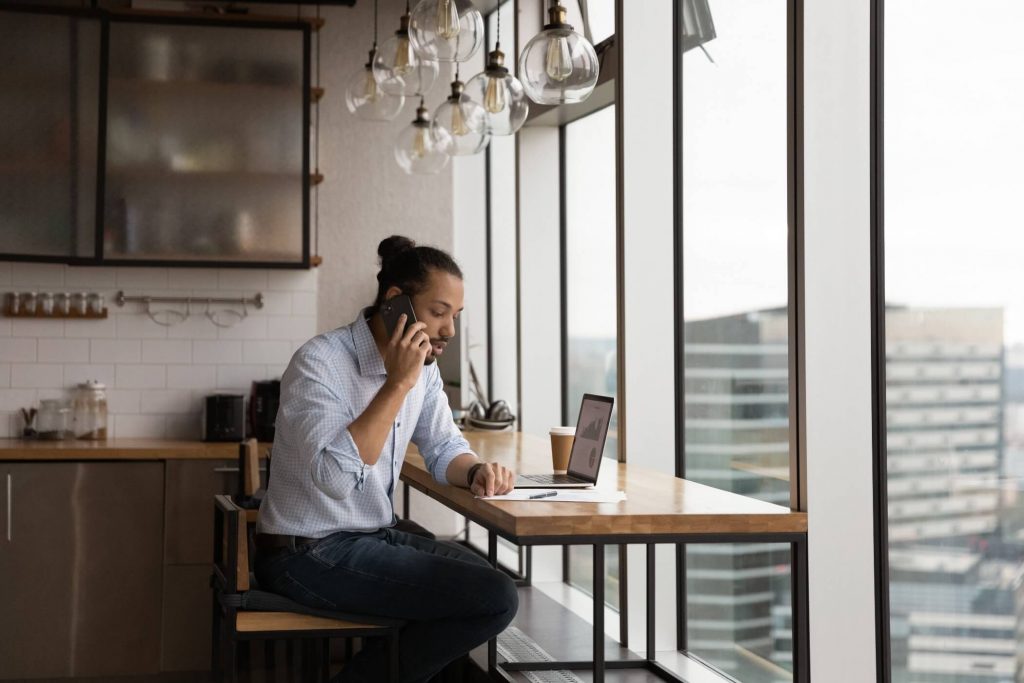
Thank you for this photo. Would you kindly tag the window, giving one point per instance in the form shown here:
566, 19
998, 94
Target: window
590, 295
735, 153
954, 340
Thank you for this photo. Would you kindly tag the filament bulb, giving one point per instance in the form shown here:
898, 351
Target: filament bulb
558, 63
447, 19
494, 97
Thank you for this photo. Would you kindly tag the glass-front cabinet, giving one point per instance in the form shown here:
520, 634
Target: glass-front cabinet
49, 103
188, 144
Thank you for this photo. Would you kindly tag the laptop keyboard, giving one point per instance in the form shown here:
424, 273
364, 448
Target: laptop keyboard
552, 479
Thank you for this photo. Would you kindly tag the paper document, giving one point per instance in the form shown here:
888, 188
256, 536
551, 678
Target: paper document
562, 496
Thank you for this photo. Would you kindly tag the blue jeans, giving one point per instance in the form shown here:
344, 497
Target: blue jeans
452, 598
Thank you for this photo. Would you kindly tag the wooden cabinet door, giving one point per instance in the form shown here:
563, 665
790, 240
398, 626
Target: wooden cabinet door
81, 573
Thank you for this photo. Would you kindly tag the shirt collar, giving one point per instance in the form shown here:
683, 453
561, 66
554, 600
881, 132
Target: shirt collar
370, 362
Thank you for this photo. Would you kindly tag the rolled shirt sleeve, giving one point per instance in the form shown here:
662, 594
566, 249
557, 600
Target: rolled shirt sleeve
436, 435
321, 418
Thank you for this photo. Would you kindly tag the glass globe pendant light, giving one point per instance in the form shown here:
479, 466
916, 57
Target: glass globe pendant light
499, 92
363, 96
398, 69
461, 122
453, 30
558, 65
420, 146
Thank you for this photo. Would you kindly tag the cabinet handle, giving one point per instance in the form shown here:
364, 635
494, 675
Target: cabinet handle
10, 506
233, 470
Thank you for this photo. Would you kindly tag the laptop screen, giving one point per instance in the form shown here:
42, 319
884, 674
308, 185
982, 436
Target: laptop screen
591, 431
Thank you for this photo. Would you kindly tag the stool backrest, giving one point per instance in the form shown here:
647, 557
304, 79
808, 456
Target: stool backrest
230, 545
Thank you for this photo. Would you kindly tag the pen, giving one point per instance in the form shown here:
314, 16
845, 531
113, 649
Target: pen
546, 494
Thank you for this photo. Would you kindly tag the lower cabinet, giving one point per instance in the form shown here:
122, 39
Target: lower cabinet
81, 570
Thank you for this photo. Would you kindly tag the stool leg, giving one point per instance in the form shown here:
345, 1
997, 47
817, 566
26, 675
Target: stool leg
327, 659
216, 665
393, 656
233, 660
269, 668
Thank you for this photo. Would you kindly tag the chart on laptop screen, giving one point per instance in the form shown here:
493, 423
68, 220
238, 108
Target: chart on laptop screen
590, 432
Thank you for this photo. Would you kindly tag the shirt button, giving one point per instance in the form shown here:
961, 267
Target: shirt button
398, 424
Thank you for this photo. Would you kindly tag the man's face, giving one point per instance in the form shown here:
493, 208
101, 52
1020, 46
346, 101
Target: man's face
438, 305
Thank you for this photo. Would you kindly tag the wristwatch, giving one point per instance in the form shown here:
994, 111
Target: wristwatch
472, 473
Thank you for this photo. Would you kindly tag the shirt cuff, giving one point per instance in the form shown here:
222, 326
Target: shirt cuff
337, 469
447, 452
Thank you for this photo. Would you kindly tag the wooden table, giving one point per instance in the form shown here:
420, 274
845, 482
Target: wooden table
659, 508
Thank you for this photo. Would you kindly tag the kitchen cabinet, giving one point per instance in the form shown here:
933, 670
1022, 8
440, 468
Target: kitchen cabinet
80, 568
188, 549
189, 140
49, 111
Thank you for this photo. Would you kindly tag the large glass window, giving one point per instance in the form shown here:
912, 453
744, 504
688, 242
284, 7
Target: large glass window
954, 347
590, 313
736, 331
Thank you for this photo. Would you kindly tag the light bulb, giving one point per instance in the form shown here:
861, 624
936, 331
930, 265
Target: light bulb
370, 92
404, 58
558, 62
421, 142
494, 98
458, 122
447, 19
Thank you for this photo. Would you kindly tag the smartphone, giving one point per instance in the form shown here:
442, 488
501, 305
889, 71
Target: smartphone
394, 307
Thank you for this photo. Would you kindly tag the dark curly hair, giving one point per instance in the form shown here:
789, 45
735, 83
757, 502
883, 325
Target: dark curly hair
407, 266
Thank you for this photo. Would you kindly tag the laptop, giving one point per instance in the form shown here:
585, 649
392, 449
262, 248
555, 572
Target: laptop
587, 448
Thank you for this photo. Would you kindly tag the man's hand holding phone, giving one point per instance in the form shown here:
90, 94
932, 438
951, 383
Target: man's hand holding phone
406, 353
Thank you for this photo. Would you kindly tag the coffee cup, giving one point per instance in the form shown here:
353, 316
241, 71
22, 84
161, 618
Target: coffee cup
561, 447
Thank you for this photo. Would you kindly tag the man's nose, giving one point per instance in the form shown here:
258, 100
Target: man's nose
448, 328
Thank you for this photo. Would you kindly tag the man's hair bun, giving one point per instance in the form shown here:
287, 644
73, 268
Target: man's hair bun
392, 246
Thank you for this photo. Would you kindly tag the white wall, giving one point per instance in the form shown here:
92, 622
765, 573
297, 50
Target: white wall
157, 376
837, 339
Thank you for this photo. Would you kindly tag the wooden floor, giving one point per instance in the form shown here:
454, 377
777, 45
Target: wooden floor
563, 634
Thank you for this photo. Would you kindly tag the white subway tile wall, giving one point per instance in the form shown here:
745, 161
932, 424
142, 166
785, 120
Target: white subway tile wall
156, 375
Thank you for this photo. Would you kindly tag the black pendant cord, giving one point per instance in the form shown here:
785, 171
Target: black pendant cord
316, 145
374, 25
497, 36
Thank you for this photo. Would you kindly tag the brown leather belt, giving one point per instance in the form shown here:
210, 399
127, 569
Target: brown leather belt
267, 542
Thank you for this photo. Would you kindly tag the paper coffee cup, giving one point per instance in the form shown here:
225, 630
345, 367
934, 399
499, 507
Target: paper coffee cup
561, 447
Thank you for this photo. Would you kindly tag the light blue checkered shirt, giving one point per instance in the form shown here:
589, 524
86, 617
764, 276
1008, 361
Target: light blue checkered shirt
318, 483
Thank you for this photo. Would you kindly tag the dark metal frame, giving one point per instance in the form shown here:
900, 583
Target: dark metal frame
880, 519
599, 665
106, 18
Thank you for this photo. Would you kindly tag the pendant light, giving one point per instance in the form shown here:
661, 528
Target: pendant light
461, 123
363, 96
452, 30
420, 146
499, 92
558, 65
398, 69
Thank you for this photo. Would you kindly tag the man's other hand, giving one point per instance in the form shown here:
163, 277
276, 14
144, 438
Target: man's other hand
492, 480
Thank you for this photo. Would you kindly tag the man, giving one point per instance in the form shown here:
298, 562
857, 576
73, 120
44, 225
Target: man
351, 400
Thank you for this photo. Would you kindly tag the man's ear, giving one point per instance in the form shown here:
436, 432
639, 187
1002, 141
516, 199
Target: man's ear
392, 293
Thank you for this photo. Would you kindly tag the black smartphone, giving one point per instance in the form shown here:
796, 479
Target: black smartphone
394, 307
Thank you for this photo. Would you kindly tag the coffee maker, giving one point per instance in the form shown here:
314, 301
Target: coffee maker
263, 402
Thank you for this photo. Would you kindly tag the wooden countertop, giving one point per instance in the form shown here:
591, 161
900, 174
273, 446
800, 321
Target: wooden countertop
656, 503
119, 449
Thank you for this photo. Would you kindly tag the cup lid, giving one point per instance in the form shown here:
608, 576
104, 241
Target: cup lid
563, 431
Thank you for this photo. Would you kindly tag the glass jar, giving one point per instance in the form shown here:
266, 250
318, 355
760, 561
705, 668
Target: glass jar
54, 420
90, 406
